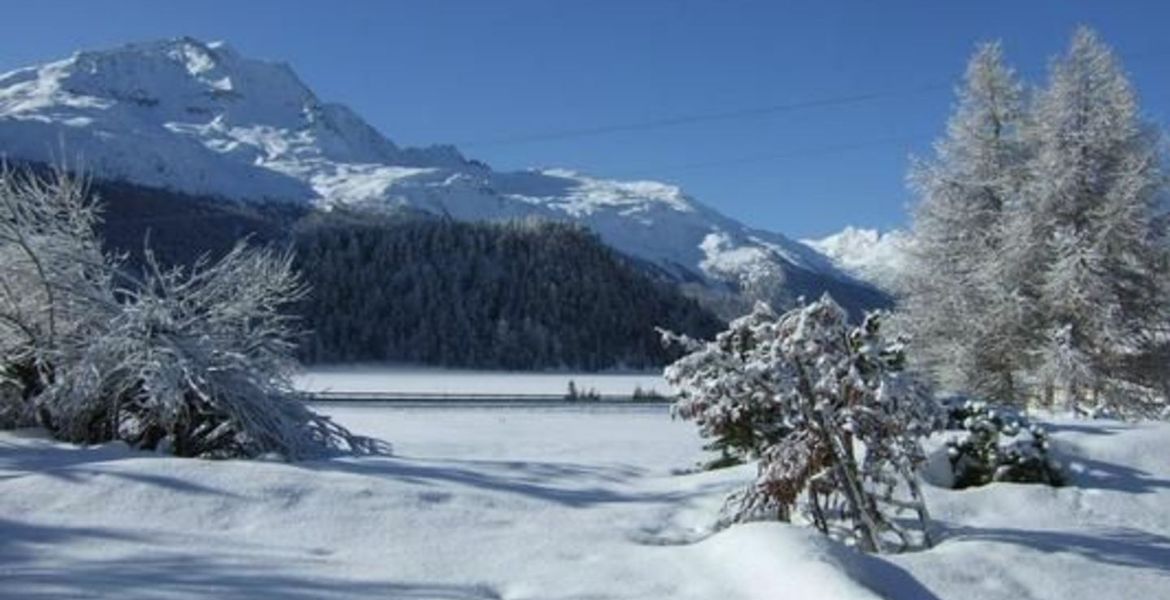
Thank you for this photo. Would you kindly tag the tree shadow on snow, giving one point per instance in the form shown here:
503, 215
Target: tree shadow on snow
21, 541
544, 481
543, 471
43, 454
77, 464
1122, 547
1088, 473
34, 565
1087, 428
885, 578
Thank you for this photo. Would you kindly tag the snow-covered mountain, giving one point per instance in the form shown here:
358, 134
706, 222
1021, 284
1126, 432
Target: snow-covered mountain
200, 118
867, 254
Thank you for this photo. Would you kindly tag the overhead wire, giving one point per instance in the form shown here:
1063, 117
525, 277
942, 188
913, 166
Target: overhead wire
841, 100
651, 124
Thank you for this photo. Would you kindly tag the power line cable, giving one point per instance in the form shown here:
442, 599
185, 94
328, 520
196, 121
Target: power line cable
750, 112
822, 150
741, 113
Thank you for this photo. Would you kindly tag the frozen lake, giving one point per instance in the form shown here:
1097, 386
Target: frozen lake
425, 382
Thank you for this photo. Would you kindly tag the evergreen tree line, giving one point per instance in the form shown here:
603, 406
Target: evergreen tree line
1039, 268
521, 295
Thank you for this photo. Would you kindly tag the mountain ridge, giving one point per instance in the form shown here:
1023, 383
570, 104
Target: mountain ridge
867, 254
199, 118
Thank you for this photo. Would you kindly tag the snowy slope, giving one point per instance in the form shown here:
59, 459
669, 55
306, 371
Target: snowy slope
550, 504
866, 254
199, 118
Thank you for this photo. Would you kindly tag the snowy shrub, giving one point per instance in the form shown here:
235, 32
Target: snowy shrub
999, 445
725, 387
196, 361
193, 361
836, 423
52, 272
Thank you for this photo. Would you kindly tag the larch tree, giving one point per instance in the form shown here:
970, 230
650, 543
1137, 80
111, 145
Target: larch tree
1094, 184
961, 303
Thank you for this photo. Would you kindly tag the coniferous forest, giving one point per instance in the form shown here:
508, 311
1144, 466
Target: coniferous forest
408, 287
514, 295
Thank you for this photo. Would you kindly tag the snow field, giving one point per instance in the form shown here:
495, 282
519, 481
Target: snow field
549, 503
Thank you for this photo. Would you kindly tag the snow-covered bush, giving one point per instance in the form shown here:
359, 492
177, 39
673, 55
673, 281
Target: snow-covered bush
841, 421
726, 388
998, 445
194, 361
52, 274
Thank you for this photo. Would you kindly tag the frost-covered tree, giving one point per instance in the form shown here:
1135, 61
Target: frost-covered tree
1040, 264
193, 360
1094, 184
516, 295
961, 301
53, 276
850, 421
196, 360
728, 390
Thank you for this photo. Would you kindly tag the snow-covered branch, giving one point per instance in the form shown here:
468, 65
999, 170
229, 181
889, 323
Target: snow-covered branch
805, 393
192, 360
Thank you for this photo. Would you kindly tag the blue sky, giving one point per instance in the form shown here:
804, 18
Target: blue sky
490, 76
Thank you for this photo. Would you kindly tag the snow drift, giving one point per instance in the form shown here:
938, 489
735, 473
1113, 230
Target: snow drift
564, 503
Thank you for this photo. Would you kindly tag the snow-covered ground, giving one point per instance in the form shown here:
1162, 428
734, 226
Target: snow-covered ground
433, 381
548, 503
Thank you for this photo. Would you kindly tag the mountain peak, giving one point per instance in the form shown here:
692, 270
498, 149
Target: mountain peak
183, 78
867, 253
201, 118
195, 104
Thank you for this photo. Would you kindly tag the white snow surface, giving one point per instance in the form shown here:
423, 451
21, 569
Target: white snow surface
200, 118
405, 380
867, 254
549, 503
